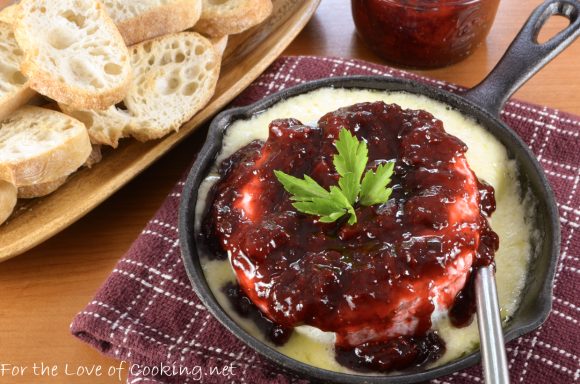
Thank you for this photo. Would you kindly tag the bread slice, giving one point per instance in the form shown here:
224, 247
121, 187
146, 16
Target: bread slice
40, 189
14, 89
43, 189
8, 14
38, 145
74, 54
228, 17
7, 200
140, 20
174, 77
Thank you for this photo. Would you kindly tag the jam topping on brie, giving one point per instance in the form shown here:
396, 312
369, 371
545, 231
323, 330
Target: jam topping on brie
376, 283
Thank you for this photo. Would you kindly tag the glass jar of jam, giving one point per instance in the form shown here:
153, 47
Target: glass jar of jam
423, 33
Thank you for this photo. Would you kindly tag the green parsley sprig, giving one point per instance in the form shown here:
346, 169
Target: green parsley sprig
350, 162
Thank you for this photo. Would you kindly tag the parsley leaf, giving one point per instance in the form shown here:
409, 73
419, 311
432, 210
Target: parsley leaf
306, 188
329, 208
374, 185
350, 162
313, 199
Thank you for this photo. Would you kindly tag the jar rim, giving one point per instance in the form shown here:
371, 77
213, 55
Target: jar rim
431, 3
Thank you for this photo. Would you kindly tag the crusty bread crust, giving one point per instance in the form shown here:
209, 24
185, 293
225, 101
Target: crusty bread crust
169, 18
232, 16
53, 84
7, 200
41, 189
46, 188
50, 162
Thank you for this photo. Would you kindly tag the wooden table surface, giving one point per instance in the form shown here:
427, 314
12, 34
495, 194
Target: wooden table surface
42, 290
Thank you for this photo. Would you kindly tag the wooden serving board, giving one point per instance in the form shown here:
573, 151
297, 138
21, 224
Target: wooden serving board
246, 57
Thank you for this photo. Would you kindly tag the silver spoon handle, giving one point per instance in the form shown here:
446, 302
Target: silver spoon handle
495, 369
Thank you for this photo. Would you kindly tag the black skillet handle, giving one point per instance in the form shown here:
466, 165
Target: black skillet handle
526, 56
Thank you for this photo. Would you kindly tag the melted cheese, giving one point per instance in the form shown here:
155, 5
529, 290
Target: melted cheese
486, 156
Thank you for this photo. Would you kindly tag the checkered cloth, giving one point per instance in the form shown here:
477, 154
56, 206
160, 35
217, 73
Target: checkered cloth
147, 313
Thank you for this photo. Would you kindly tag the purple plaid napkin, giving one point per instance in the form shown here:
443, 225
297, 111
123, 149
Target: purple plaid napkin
147, 313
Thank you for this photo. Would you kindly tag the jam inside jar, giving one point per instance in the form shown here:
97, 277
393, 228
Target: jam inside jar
423, 33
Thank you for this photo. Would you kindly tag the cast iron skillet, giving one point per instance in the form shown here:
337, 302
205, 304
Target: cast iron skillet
524, 58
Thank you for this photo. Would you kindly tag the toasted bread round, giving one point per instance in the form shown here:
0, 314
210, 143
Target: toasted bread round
14, 89
228, 17
179, 74
7, 200
38, 145
174, 77
74, 53
41, 189
140, 20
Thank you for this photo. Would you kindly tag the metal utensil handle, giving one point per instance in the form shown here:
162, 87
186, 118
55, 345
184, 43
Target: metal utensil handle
495, 369
526, 56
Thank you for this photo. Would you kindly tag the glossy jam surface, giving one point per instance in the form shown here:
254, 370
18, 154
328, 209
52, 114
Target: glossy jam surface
377, 283
423, 33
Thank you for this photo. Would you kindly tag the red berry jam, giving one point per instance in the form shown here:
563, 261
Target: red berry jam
423, 33
376, 283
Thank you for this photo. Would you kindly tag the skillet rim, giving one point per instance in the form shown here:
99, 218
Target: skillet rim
517, 149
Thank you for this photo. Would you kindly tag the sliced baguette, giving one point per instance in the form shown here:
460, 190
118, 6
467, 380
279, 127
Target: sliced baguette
14, 89
74, 54
40, 189
8, 14
43, 189
140, 20
174, 77
228, 17
38, 145
8, 193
